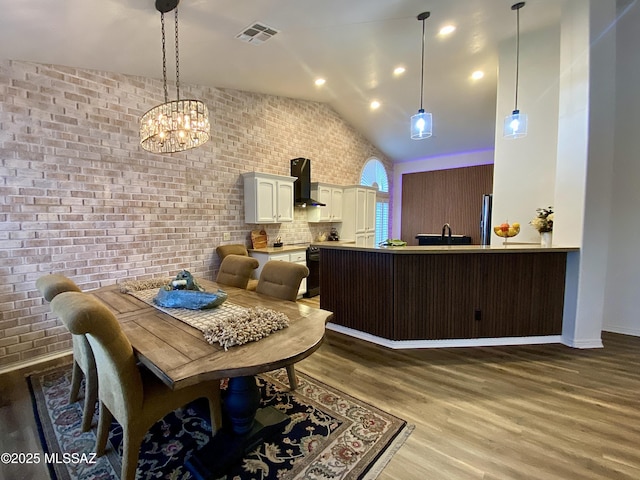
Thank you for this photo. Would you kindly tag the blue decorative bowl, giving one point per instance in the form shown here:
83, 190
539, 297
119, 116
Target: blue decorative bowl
191, 299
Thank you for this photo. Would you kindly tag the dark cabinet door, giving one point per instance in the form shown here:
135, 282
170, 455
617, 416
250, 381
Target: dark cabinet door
357, 286
436, 296
521, 294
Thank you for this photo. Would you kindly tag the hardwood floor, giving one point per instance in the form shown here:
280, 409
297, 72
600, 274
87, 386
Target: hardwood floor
523, 412
19, 433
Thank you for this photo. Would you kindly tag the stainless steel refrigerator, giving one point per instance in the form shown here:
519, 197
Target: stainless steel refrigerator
485, 219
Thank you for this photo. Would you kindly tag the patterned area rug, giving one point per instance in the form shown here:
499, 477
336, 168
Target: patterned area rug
330, 435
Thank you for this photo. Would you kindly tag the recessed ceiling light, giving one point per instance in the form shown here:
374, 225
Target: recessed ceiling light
320, 81
375, 104
399, 70
477, 75
447, 30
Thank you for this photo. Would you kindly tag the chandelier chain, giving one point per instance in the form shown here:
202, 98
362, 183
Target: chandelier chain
164, 60
177, 59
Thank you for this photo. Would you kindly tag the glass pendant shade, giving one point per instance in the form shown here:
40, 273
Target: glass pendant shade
515, 125
175, 126
421, 125
421, 122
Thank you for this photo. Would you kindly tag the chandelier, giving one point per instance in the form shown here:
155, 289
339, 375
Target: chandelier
175, 125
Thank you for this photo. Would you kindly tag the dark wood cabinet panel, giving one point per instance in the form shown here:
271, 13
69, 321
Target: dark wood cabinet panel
444, 296
358, 288
454, 196
435, 296
522, 294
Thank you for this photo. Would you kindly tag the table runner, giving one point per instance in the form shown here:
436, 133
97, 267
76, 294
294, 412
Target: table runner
200, 319
228, 324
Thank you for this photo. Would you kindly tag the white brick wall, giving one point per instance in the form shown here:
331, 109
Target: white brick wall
80, 197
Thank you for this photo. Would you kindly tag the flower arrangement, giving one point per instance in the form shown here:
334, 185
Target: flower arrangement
544, 220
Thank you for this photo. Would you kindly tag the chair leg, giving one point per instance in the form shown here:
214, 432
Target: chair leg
215, 410
130, 453
104, 422
76, 378
90, 397
293, 380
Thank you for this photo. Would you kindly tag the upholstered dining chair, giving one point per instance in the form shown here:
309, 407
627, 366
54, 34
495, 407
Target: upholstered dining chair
231, 249
236, 249
134, 396
236, 270
83, 362
282, 280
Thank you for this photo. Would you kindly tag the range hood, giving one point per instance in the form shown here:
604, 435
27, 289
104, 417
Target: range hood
301, 169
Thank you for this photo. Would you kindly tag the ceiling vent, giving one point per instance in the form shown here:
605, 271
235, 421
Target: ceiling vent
257, 33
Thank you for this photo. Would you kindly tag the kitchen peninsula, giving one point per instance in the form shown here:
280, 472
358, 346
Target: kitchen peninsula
458, 295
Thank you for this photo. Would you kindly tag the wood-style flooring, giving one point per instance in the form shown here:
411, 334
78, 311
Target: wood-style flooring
523, 412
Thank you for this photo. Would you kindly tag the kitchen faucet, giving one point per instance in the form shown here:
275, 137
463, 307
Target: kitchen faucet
444, 229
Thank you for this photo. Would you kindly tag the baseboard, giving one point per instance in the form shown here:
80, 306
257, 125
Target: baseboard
35, 361
462, 342
588, 343
635, 332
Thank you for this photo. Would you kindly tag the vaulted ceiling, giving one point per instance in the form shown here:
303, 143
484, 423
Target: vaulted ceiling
354, 44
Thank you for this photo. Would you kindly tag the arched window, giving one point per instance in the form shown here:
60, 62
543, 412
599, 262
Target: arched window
375, 175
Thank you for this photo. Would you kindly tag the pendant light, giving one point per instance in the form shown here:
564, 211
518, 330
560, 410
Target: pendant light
515, 125
421, 122
180, 124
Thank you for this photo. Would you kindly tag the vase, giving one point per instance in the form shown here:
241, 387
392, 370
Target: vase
546, 239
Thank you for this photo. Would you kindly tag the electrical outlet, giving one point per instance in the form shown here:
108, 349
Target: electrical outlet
226, 236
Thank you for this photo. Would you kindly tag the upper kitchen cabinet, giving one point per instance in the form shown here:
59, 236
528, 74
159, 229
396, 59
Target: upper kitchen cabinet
268, 198
359, 216
331, 196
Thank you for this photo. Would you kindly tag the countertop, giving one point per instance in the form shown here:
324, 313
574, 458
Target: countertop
296, 247
283, 249
440, 249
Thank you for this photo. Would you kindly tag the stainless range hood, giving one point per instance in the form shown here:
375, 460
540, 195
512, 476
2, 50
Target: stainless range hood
301, 169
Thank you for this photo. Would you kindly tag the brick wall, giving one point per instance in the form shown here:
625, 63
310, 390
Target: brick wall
80, 197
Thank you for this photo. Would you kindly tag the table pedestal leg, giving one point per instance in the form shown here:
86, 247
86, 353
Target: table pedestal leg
241, 403
248, 427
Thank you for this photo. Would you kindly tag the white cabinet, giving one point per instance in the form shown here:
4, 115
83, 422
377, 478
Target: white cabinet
268, 198
365, 239
331, 196
296, 256
359, 215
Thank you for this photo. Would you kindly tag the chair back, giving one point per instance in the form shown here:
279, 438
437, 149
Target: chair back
236, 270
51, 285
118, 375
281, 279
233, 249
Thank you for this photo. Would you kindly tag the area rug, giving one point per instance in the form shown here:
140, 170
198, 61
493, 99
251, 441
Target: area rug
330, 435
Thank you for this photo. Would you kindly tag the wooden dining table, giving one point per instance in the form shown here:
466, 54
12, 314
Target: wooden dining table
179, 355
